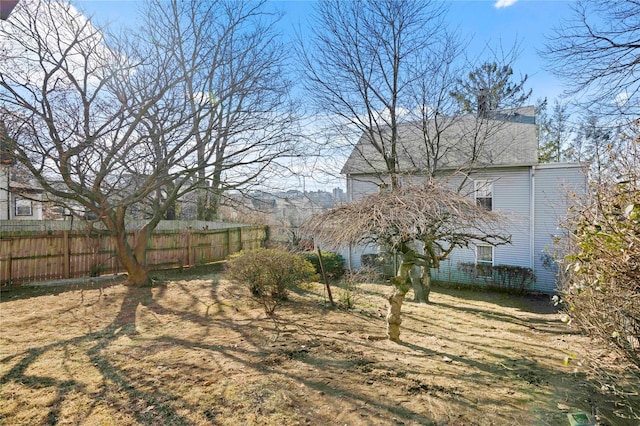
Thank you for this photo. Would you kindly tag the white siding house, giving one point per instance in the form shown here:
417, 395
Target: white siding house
507, 178
18, 200
5, 204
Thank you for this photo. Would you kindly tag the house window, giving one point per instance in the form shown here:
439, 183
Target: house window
484, 261
484, 194
23, 207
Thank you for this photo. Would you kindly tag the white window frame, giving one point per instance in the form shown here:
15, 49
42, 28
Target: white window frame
483, 190
21, 203
485, 262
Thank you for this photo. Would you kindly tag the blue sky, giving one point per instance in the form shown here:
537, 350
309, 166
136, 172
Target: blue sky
484, 22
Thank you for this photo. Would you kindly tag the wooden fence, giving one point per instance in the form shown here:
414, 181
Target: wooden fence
50, 255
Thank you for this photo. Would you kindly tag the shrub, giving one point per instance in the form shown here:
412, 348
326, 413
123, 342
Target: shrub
333, 263
602, 270
269, 274
504, 277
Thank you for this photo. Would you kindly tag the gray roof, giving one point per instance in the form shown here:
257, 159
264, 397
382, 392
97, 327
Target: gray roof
503, 138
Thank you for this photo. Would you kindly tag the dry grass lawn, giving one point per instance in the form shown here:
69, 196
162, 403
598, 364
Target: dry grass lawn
198, 350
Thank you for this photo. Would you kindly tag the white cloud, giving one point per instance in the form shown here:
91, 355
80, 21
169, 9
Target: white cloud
40, 33
504, 3
622, 99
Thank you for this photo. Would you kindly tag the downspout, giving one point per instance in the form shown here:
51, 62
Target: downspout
532, 219
8, 194
349, 199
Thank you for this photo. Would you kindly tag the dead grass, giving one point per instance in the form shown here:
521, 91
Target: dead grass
197, 350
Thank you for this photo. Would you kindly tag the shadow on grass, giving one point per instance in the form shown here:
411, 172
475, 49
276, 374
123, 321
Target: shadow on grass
115, 380
128, 393
533, 303
54, 288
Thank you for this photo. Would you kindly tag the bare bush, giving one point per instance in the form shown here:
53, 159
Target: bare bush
602, 271
269, 274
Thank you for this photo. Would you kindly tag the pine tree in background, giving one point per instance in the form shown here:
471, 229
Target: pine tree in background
490, 88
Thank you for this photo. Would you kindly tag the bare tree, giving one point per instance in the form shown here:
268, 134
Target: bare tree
238, 62
595, 53
362, 64
105, 123
374, 67
381, 73
430, 215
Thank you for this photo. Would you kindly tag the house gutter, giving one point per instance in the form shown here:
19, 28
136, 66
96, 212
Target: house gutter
532, 221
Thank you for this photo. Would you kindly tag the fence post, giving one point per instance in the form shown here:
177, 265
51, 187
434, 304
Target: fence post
228, 242
188, 245
240, 238
9, 263
66, 257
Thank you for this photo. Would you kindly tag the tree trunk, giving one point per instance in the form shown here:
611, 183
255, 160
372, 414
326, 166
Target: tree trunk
138, 276
426, 284
171, 212
402, 284
393, 315
137, 271
416, 275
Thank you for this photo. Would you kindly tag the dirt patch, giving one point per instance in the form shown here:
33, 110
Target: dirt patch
199, 350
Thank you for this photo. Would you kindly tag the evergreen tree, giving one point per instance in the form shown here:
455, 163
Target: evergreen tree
593, 145
553, 132
490, 88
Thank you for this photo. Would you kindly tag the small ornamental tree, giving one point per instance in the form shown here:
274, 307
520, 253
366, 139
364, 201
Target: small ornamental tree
269, 274
422, 223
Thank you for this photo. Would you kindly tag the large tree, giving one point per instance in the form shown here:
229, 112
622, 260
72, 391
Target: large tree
234, 61
423, 223
362, 66
377, 68
106, 124
372, 67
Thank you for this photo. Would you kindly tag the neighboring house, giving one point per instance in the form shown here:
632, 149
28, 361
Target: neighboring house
19, 199
293, 207
283, 212
505, 176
